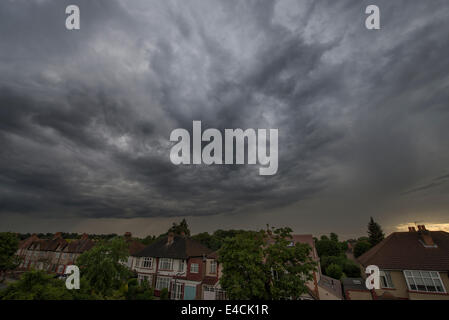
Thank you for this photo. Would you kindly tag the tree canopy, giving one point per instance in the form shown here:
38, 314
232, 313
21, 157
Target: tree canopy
263, 265
9, 244
104, 267
375, 232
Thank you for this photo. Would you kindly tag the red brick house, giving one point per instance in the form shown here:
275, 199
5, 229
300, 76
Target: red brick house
178, 263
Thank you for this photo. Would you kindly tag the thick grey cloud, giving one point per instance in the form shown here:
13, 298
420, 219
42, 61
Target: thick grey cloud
86, 115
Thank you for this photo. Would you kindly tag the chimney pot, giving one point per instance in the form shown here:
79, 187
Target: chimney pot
128, 235
170, 238
411, 229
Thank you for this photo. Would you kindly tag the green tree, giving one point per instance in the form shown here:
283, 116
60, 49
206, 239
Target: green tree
243, 273
180, 228
334, 271
9, 244
103, 266
289, 266
327, 247
263, 265
375, 232
361, 247
36, 285
334, 237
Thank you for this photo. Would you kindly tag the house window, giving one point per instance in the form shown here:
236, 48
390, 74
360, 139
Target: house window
425, 281
165, 264
162, 282
144, 278
147, 263
137, 263
213, 266
60, 268
385, 279
181, 266
194, 267
176, 291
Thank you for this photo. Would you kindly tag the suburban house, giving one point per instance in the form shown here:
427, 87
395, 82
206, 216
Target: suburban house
134, 247
180, 264
52, 255
413, 265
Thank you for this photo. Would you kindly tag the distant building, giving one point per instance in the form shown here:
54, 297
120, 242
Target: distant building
52, 255
183, 266
413, 265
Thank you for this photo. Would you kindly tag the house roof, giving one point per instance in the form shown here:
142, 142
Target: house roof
405, 250
210, 281
354, 284
135, 246
181, 248
331, 285
76, 246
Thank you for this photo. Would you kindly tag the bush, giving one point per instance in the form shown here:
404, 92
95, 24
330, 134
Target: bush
334, 271
164, 294
361, 247
327, 247
351, 269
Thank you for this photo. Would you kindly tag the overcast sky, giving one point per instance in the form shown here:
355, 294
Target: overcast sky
86, 116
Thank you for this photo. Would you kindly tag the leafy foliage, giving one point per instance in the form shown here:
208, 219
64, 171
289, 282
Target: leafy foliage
375, 232
8, 247
164, 294
334, 271
361, 247
103, 266
262, 265
180, 228
36, 285
136, 291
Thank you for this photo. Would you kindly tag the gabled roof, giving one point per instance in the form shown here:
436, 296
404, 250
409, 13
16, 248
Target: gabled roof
405, 250
80, 245
135, 247
181, 248
331, 285
76, 246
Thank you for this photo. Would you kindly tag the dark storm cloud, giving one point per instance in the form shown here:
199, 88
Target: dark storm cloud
86, 115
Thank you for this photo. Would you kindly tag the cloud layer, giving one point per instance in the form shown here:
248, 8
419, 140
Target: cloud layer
86, 115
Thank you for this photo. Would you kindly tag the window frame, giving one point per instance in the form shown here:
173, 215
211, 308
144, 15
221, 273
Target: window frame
433, 275
197, 267
215, 264
159, 280
146, 263
388, 279
164, 261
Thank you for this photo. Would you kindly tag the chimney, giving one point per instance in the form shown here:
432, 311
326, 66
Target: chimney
128, 235
57, 235
411, 229
85, 236
426, 237
421, 227
170, 238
